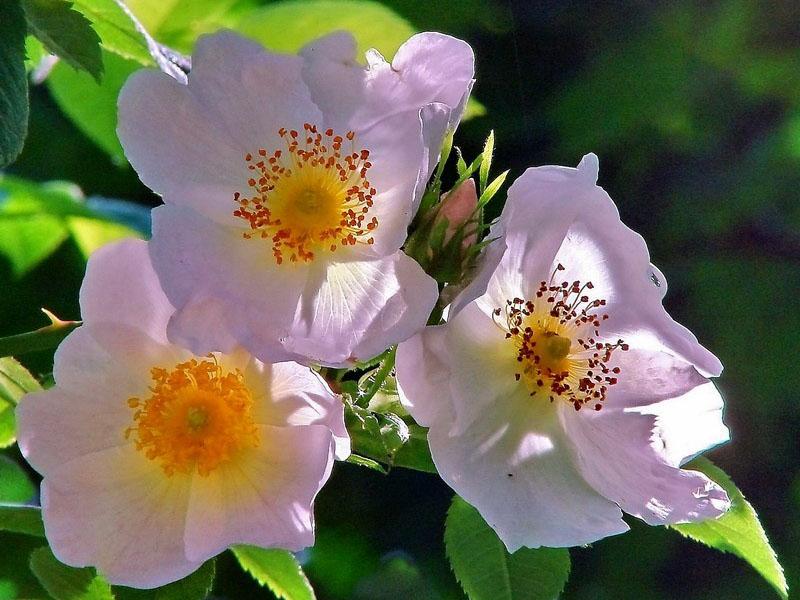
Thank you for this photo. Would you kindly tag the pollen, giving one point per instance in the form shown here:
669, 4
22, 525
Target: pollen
309, 197
197, 417
557, 345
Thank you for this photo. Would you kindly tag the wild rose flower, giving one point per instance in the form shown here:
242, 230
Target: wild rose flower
560, 391
155, 459
289, 183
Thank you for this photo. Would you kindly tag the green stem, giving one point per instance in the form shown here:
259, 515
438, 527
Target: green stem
44, 338
379, 376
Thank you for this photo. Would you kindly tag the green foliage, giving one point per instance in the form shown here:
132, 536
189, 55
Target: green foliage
277, 570
15, 485
13, 81
487, 571
195, 586
21, 519
15, 382
67, 583
92, 105
43, 338
287, 26
66, 33
35, 219
738, 531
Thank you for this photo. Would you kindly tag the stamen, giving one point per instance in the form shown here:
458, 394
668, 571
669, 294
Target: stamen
197, 417
311, 196
556, 336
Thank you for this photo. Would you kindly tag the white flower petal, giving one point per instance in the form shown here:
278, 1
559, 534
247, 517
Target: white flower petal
514, 466
548, 204
482, 367
250, 92
689, 424
115, 510
423, 376
121, 287
176, 149
208, 270
298, 396
619, 456
353, 311
264, 497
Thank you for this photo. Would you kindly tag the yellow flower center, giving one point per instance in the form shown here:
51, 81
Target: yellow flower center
556, 342
198, 416
310, 197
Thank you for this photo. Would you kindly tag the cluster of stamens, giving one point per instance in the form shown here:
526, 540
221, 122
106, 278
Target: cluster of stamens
557, 340
197, 416
311, 196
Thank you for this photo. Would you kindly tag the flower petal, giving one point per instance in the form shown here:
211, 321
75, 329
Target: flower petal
514, 466
354, 311
548, 204
188, 142
96, 369
618, 455
207, 270
121, 287
115, 510
264, 497
423, 375
298, 396
176, 149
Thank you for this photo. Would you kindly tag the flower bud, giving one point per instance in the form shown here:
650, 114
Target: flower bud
458, 207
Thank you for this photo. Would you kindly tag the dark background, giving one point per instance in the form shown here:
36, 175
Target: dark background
694, 111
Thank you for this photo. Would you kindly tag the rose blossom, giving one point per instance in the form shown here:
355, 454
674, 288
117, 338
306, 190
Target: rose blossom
560, 393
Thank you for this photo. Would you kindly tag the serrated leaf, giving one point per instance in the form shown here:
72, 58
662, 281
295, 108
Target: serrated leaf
117, 32
15, 485
66, 33
67, 583
288, 26
486, 161
13, 81
276, 569
738, 531
196, 586
21, 519
15, 382
486, 570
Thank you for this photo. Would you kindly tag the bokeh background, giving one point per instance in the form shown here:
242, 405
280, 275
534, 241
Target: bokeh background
694, 110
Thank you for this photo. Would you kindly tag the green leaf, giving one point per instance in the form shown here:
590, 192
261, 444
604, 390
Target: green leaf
92, 106
15, 382
15, 485
196, 586
35, 219
276, 569
487, 571
486, 162
21, 519
67, 583
13, 82
117, 32
66, 33
492, 189
288, 26
738, 531
363, 461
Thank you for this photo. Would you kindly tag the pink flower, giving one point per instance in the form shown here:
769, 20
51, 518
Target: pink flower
560, 391
289, 183
154, 459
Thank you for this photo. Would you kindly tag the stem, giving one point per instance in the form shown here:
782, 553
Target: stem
43, 338
379, 376
153, 46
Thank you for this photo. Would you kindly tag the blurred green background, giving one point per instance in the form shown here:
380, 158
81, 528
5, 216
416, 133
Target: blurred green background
694, 110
